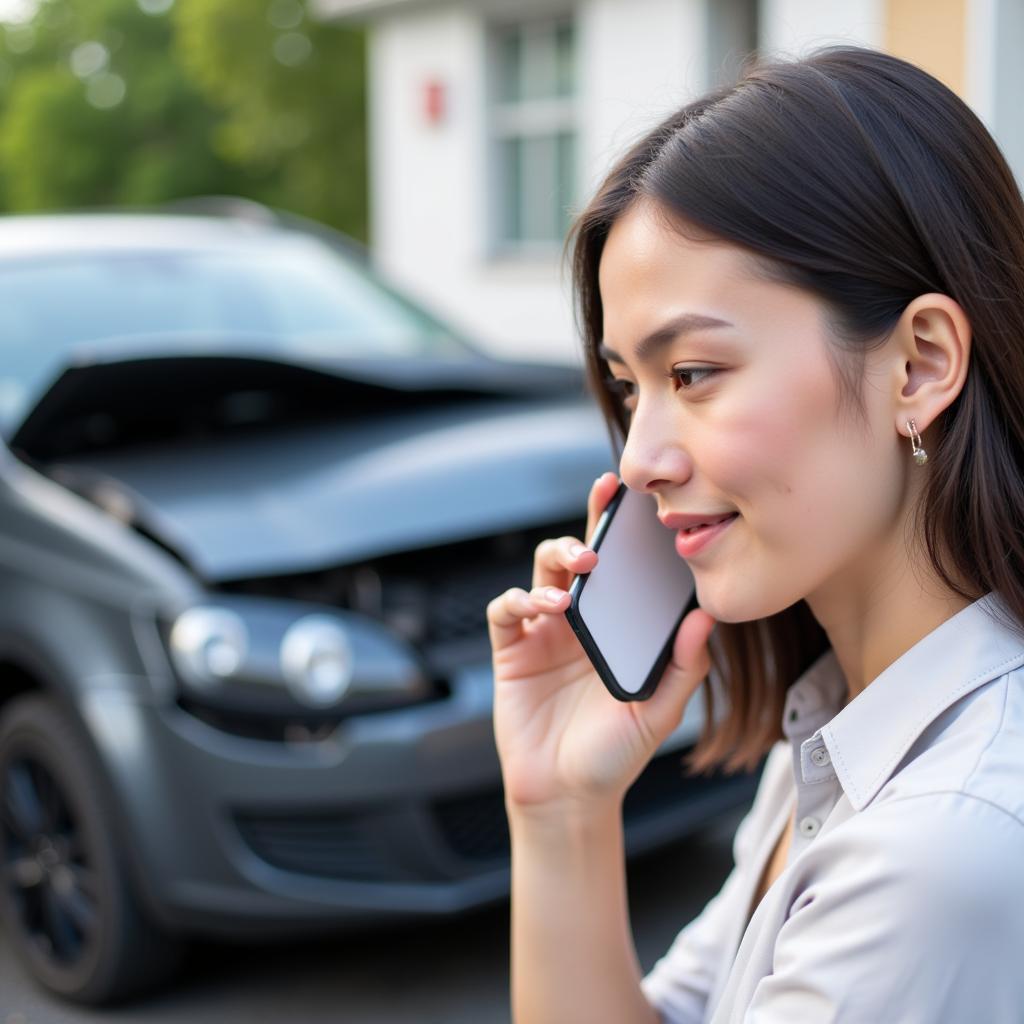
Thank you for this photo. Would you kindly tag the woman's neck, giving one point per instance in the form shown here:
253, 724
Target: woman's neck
872, 627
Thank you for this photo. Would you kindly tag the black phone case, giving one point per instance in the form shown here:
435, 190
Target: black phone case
579, 627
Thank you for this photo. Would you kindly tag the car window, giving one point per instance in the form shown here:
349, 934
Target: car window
300, 291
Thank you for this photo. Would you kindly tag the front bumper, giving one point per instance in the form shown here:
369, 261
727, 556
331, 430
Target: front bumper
397, 814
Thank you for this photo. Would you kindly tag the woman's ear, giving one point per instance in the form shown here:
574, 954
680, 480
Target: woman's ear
933, 344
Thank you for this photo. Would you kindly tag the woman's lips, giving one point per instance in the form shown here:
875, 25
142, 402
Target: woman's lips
689, 543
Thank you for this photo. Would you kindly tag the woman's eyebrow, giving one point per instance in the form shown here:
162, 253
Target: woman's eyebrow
664, 335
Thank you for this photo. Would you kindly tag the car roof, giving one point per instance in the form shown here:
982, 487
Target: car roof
24, 235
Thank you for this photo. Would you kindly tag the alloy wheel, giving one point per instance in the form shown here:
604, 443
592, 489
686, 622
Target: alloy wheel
44, 864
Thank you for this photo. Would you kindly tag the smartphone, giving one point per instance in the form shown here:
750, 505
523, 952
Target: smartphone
627, 611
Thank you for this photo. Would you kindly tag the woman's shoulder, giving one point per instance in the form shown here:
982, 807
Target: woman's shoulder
936, 855
974, 749
879, 910
951, 813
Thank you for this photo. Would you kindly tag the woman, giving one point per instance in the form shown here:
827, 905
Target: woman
802, 299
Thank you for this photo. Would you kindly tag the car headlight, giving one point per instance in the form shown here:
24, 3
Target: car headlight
316, 660
261, 656
208, 645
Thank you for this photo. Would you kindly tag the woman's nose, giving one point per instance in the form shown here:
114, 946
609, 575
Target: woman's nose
652, 459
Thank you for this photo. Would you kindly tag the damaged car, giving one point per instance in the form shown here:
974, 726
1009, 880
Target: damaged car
253, 504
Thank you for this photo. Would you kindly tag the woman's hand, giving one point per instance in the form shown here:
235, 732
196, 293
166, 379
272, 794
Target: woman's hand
562, 738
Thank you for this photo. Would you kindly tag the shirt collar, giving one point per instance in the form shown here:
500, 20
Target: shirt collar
870, 736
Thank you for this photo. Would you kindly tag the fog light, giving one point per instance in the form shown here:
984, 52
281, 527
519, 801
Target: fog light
316, 659
208, 645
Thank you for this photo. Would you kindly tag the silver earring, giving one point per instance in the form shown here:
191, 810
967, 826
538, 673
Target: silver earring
920, 455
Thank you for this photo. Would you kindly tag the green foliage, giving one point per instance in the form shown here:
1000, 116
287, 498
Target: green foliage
293, 95
102, 103
37, 171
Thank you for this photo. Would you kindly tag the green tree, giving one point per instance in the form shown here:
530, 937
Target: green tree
293, 96
113, 102
95, 112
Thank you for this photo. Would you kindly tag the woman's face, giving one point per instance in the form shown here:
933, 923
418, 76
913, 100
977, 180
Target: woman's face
745, 418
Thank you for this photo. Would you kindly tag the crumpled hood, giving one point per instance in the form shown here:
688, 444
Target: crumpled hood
304, 497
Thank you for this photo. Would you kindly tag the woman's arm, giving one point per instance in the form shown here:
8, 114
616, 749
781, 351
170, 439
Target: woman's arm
573, 957
569, 752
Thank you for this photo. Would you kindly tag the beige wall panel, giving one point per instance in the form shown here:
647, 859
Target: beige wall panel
931, 34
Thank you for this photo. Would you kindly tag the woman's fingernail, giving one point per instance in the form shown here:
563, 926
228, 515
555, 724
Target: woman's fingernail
577, 549
553, 594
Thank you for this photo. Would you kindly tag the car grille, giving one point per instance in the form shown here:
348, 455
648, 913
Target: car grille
470, 831
441, 609
331, 846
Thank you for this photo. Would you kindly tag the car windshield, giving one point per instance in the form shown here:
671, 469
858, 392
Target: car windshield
313, 301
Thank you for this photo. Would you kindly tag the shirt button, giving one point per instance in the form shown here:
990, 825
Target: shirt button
809, 827
820, 756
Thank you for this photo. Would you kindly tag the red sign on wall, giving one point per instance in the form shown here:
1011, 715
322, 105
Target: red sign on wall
434, 101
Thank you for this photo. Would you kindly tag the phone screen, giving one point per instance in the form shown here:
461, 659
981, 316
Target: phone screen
626, 612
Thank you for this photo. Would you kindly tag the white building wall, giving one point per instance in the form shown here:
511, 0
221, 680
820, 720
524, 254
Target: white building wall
425, 200
429, 204
638, 59
795, 26
995, 73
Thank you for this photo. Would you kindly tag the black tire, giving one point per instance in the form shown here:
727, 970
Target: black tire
66, 900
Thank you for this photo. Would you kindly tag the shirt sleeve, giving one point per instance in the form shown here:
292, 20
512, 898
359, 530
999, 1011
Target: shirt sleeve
916, 916
679, 985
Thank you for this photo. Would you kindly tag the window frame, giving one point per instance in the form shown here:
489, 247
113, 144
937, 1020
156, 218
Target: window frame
543, 117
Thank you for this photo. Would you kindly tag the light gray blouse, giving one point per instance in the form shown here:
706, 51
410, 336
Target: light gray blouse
902, 898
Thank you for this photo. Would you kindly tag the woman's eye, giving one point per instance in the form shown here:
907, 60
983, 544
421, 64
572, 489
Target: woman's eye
683, 376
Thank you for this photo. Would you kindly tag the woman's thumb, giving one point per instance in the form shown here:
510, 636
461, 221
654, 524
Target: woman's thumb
687, 668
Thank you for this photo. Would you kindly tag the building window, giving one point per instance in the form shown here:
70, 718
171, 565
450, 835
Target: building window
533, 119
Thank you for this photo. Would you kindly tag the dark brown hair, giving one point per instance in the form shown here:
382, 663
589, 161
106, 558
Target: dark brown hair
865, 181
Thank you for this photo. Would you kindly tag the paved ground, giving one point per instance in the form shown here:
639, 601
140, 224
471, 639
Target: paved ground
454, 974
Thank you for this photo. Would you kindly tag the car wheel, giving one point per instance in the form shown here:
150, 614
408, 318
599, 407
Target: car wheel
65, 897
